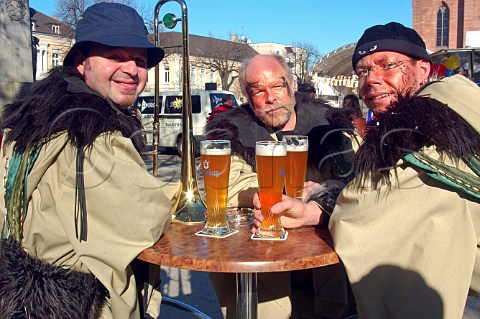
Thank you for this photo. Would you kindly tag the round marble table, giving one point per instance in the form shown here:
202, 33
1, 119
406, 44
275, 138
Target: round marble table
181, 248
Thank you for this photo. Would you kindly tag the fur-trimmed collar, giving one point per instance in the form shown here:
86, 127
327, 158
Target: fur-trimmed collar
407, 126
63, 102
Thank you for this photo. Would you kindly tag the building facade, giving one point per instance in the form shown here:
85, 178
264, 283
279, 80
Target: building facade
447, 24
214, 63
52, 40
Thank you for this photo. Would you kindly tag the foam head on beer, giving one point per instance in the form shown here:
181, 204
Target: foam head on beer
268, 149
215, 151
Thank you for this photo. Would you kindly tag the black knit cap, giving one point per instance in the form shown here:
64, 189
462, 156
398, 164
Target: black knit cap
392, 36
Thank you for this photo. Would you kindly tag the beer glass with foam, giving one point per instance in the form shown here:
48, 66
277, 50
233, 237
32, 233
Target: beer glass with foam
215, 161
271, 159
297, 153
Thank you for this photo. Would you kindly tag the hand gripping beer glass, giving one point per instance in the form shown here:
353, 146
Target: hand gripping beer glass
271, 159
215, 161
297, 153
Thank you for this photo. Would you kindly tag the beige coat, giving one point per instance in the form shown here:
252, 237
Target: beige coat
127, 211
411, 250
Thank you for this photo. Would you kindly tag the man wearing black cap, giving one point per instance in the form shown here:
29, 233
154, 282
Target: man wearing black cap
407, 227
77, 196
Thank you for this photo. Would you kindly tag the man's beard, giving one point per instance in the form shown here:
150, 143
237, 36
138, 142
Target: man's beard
280, 118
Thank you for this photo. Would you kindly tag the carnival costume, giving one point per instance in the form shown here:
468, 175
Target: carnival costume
407, 227
79, 201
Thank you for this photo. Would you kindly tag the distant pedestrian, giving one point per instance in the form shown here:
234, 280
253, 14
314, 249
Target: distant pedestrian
308, 89
352, 105
227, 104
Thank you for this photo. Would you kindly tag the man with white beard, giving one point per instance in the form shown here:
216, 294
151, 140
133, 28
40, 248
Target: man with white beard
274, 110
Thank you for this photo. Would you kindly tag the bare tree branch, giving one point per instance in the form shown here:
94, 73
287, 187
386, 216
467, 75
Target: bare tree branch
309, 54
224, 58
70, 11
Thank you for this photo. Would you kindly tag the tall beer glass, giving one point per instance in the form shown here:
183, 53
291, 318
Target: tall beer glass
297, 153
215, 160
271, 158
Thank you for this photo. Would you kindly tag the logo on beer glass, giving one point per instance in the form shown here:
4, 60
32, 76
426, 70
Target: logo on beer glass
207, 172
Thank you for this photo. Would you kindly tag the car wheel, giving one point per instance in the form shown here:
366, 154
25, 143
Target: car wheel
196, 147
179, 146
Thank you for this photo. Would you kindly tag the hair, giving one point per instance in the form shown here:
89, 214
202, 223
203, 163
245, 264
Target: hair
306, 88
352, 102
242, 73
227, 98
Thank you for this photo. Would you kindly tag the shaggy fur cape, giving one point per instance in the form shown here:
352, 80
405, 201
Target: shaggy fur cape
407, 126
31, 288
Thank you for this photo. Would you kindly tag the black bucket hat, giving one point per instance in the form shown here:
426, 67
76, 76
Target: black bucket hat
115, 25
392, 36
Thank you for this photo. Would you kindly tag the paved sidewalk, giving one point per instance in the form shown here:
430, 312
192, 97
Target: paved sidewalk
188, 286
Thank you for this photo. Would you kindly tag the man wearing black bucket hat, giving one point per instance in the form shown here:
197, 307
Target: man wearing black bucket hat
407, 227
79, 205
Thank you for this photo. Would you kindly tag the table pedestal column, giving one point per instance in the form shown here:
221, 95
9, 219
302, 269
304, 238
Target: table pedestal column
247, 298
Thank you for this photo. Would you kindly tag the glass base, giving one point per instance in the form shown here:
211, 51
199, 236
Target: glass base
270, 233
216, 231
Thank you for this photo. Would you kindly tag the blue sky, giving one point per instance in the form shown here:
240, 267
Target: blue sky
326, 24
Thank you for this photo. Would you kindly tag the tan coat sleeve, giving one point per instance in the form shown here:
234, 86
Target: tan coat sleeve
242, 185
409, 249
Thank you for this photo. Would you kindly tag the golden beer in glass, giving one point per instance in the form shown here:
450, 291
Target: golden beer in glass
215, 161
271, 159
297, 153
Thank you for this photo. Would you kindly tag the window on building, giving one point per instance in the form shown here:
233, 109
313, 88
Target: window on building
202, 76
166, 74
56, 58
56, 29
443, 16
212, 75
193, 71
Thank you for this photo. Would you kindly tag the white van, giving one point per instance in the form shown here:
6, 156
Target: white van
171, 104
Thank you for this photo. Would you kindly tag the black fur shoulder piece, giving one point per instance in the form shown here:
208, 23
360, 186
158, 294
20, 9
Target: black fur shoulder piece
407, 126
62, 101
341, 118
233, 126
31, 288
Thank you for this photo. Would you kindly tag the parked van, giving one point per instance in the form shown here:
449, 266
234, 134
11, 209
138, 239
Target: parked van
171, 105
